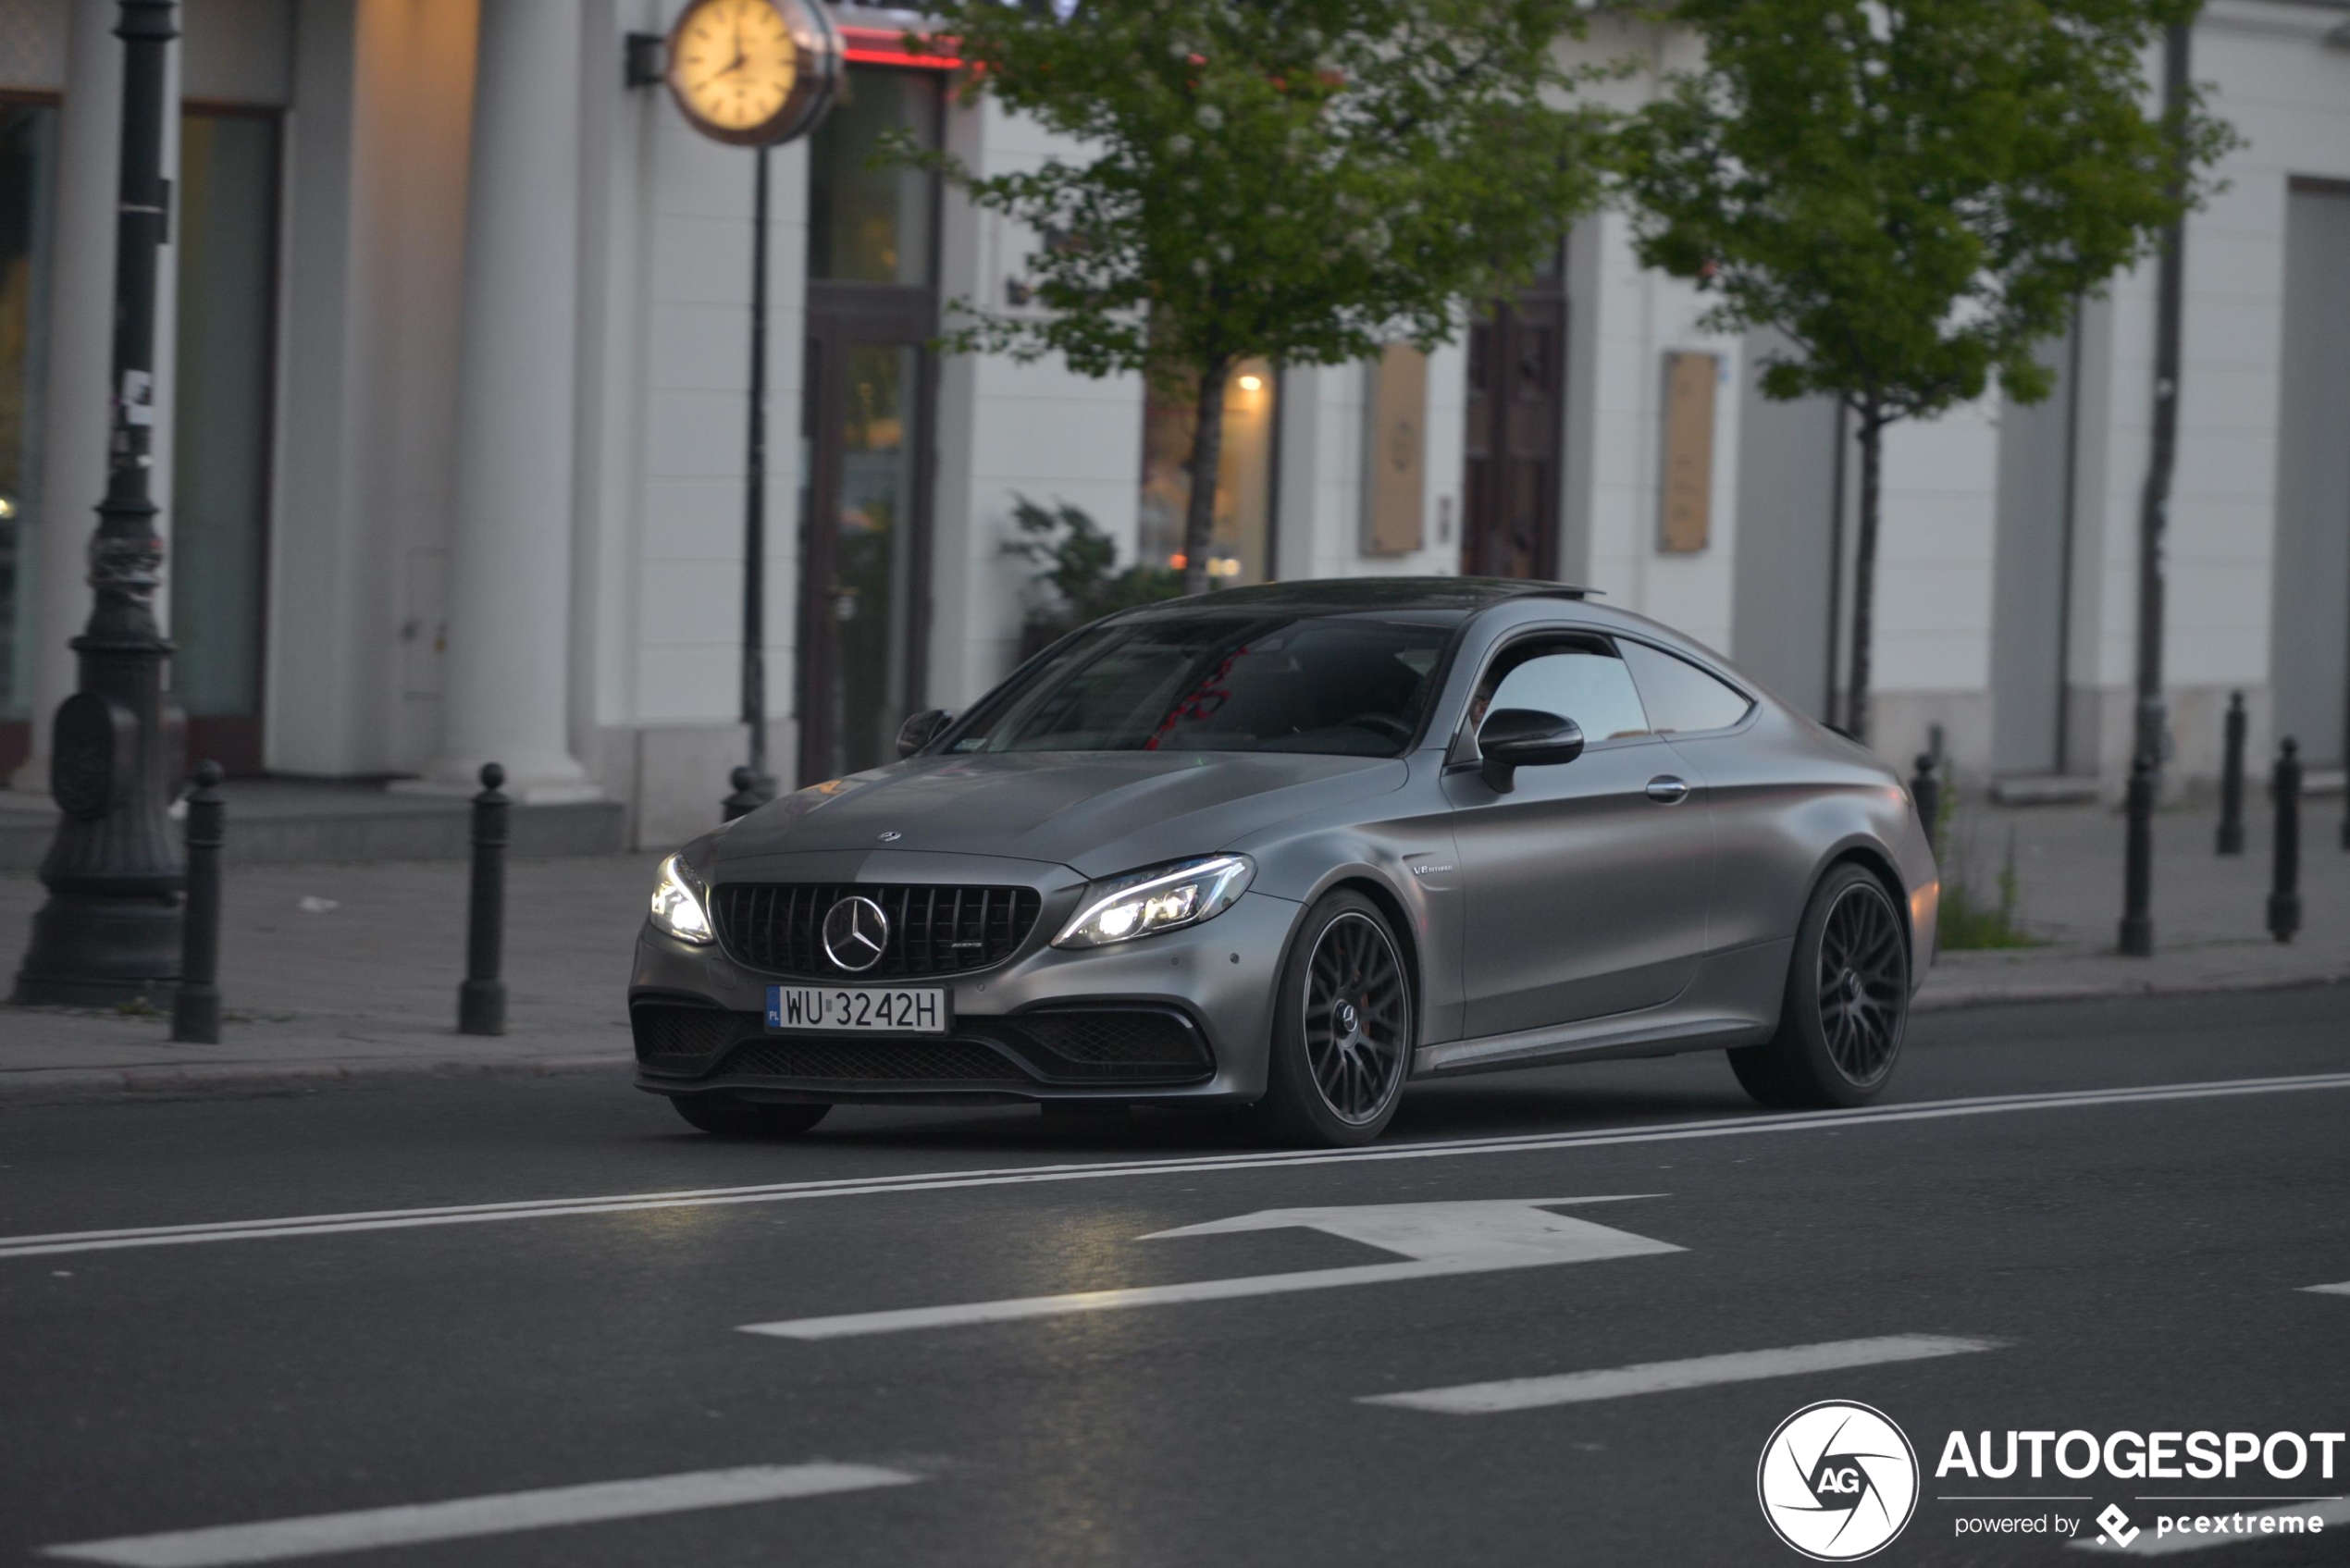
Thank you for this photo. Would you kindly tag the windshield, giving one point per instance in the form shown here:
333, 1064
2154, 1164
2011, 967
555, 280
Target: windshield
1218, 683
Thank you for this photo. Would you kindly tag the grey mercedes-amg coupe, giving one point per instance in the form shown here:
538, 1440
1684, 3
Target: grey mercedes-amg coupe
1296, 845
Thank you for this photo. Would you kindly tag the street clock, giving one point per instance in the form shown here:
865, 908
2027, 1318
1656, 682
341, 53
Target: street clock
754, 73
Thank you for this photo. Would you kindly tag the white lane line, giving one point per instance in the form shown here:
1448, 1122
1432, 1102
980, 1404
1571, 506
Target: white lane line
1664, 1376
2341, 1290
2152, 1541
52, 1244
317, 1535
1439, 1238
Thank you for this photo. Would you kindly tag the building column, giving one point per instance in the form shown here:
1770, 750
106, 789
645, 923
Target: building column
75, 402
510, 565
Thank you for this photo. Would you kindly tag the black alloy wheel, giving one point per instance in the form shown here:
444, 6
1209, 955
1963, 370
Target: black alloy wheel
1342, 1028
1863, 983
1846, 1004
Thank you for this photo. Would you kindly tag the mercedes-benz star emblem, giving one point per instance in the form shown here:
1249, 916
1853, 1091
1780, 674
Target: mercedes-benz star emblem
855, 932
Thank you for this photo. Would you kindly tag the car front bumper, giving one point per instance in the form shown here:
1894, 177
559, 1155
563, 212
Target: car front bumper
1185, 1016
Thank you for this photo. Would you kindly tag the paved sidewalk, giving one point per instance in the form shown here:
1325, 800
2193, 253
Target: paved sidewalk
2210, 911
348, 973
332, 973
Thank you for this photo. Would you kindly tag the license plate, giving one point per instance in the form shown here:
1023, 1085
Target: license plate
901, 1010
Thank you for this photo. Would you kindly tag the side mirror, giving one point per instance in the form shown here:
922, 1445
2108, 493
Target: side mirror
921, 729
1511, 738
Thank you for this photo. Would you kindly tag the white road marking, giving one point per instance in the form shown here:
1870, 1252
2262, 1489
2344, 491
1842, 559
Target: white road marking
317, 1535
1439, 1238
58, 1242
2341, 1290
1664, 1376
2149, 1542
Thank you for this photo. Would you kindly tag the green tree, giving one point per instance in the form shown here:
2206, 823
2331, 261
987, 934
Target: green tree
1915, 192
1301, 181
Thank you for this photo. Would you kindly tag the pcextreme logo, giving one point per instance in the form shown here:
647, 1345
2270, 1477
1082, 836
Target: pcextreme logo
1837, 1481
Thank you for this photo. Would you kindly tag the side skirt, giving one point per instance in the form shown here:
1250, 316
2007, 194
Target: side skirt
1734, 1001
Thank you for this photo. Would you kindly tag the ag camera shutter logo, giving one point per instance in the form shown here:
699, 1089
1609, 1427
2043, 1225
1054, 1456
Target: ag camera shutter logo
1837, 1481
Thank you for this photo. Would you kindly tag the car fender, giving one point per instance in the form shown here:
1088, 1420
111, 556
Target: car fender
1405, 866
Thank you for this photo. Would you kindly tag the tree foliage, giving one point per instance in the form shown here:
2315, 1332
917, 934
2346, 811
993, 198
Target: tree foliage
1301, 181
1914, 191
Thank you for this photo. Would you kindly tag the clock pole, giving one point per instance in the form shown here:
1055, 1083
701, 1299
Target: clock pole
761, 785
110, 931
807, 74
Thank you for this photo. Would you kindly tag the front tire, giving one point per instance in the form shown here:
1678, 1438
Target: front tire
726, 1117
1847, 1003
1342, 1028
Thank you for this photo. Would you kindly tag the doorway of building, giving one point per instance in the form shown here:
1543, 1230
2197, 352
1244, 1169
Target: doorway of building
1517, 408
866, 427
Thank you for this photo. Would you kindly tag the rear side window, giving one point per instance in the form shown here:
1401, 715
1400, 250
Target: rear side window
1583, 682
1680, 698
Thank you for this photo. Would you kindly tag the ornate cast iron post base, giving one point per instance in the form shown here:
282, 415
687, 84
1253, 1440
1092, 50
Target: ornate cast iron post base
110, 931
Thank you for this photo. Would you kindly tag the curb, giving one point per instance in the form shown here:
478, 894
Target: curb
2101, 990
37, 1086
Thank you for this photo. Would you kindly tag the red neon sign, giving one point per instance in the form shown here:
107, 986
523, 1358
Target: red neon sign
887, 46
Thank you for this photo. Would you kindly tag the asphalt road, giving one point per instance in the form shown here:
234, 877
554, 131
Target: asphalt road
2072, 1259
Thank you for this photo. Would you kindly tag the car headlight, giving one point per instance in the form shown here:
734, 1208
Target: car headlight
1144, 903
678, 909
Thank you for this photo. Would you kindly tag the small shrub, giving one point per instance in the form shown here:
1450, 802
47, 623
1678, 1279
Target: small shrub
1077, 579
1969, 922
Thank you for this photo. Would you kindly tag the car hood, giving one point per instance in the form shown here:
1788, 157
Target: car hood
1098, 813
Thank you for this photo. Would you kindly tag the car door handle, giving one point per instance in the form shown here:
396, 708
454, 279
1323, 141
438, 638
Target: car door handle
1666, 790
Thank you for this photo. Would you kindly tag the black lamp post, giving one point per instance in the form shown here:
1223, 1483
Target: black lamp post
110, 931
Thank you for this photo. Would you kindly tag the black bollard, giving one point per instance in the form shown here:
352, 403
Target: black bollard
481, 1001
195, 1011
1926, 790
2284, 897
2232, 779
746, 797
2137, 880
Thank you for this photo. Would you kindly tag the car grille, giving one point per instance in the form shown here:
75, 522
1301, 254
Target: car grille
779, 927
1127, 1045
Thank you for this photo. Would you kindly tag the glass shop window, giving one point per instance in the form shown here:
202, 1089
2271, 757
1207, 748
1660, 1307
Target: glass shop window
1240, 546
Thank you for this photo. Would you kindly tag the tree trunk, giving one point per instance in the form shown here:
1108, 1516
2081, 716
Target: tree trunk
1856, 689
1207, 457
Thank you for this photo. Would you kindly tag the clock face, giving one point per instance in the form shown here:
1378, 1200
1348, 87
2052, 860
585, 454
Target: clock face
733, 65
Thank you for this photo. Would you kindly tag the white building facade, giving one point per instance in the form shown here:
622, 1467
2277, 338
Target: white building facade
455, 389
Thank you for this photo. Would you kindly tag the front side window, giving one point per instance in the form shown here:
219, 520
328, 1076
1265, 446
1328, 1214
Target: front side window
1334, 685
1680, 698
1582, 681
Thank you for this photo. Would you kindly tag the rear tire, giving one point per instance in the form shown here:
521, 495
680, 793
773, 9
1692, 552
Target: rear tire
1344, 1028
725, 1117
1847, 1002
